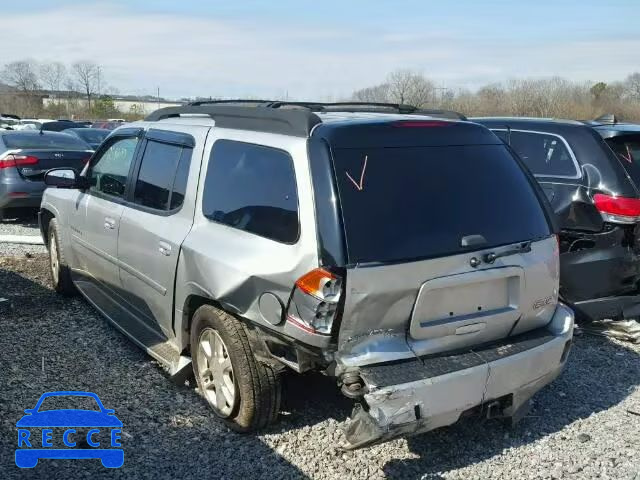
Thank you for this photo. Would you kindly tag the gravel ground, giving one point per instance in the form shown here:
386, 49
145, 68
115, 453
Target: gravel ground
25, 226
585, 425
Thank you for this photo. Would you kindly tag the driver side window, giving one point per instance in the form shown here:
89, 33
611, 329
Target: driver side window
109, 173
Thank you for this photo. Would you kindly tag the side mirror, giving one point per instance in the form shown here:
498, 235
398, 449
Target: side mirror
62, 178
29, 411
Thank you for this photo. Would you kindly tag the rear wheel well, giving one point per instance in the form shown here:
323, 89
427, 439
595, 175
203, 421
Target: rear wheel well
45, 219
194, 302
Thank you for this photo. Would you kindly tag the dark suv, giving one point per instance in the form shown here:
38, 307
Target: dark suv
590, 174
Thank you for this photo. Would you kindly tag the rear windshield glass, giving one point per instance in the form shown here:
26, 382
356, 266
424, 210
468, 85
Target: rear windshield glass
60, 141
627, 149
419, 202
92, 135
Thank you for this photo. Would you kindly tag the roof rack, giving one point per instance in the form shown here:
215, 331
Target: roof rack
237, 101
374, 107
297, 122
290, 118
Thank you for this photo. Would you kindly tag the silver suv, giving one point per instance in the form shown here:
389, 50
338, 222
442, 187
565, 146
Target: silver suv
408, 255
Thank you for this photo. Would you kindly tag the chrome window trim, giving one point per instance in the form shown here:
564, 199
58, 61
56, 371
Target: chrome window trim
576, 165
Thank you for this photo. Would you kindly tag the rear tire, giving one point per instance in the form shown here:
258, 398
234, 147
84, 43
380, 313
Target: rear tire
257, 386
60, 272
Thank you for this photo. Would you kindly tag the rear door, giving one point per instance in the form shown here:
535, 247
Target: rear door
419, 222
156, 220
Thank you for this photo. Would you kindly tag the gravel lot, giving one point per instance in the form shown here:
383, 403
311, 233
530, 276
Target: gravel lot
585, 425
24, 226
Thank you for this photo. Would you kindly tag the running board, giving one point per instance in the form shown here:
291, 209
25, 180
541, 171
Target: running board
153, 342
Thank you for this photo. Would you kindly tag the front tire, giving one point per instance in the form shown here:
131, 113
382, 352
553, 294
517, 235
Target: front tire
242, 391
60, 273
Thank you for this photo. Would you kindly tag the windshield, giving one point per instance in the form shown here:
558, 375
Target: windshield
66, 402
46, 140
419, 202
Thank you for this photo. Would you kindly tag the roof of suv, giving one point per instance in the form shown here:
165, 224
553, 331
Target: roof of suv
296, 118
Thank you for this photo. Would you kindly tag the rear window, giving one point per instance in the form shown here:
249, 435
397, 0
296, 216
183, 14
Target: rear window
92, 135
419, 202
60, 141
627, 149
545, 154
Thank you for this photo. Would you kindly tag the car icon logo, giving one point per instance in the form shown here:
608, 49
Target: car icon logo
69, 433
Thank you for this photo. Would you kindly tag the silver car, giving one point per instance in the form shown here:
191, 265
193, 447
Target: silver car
410, 257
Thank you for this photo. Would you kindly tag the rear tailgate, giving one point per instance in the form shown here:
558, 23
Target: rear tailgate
420, 219
39, 161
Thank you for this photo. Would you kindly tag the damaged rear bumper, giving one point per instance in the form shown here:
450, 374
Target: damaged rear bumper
413, 397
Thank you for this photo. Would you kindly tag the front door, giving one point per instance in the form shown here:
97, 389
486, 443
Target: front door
95, 227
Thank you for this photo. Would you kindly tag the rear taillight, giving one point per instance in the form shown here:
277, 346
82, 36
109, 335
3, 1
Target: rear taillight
617, 209
13, 160
314, 302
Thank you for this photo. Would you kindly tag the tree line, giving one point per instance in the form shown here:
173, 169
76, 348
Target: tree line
554, 97
82, 80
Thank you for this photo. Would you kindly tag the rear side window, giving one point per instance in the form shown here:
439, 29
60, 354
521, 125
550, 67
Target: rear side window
400, 204
252, 188
162, 179
60, 141
544, 154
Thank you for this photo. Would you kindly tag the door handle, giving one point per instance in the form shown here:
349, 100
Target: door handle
109, 223
164, 248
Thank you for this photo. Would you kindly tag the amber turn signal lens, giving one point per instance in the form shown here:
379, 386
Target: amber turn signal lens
313, 281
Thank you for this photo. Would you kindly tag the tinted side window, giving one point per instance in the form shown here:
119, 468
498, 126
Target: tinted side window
110, 171
252, 188
544, 154
157, 175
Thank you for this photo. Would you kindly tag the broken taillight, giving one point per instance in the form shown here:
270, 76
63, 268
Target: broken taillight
617, 209
314, 302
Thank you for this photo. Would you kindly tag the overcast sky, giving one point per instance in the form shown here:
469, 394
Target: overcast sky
322, 49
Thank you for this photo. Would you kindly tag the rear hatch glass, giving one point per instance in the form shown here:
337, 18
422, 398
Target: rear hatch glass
408, 203
627, 149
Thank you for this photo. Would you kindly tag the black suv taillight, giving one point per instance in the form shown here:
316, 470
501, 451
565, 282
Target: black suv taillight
314, 302
617, 209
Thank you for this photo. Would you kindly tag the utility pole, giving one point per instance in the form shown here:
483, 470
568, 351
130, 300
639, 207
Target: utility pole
158, 97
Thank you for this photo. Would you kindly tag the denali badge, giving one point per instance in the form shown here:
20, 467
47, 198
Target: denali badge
542, 302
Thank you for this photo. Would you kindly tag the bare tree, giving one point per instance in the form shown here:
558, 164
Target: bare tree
408, 87
53, 75
632, 86
375, 94
21, 75
87, 75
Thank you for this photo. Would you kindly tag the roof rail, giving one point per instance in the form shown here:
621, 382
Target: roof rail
275, 116
370, 107
297, 122
237, 101
375, 107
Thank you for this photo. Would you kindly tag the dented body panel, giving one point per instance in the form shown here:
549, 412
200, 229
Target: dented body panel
394, 312
424, 394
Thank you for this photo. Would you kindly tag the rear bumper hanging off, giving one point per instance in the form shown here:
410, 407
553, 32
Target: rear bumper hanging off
435, 392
